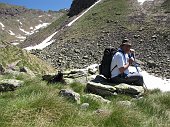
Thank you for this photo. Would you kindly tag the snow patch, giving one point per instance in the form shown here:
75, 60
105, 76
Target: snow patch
15, 43
153, 82
142, 1
43, 44
41, 26
71, 23
3, 27
31, 28
20, 37
26, 32
40, 16
10, 32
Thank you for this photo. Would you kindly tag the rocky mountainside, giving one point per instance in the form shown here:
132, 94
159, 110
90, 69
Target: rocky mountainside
17, 23
106, 24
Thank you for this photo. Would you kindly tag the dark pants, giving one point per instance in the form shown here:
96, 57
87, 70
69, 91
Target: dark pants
131, 79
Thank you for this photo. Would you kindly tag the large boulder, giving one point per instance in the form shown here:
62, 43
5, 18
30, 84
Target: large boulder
110, 89
70, 94
100, 89
129, 89
10, 84
97, 98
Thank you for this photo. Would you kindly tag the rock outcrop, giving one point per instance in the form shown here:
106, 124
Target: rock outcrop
10, 84
79, 5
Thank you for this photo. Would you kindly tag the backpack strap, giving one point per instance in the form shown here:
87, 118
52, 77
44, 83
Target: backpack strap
123, 56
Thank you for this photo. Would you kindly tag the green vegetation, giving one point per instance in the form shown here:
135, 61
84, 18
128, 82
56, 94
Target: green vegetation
10, 54
98, 19
38, 104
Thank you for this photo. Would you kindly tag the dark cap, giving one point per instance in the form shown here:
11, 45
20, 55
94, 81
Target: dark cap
126, 42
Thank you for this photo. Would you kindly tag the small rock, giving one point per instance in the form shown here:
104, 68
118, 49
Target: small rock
98, 98
124, 103
85, 57
102, 112
154, 37
84, 106
10, 84
70, 94
92, 71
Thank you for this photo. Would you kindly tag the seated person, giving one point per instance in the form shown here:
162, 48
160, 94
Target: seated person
120, 66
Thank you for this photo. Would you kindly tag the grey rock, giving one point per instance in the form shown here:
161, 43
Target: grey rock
97, 98
85, 57
154, 37
92, 71
124, 103
13, 66
70, 94
100, 89
75, 73
129, 89
10, 84
84, 106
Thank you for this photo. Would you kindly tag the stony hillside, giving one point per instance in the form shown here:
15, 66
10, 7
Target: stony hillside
17, 23
106, 24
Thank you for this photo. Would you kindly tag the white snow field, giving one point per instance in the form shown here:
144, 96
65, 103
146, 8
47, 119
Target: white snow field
153, 82
43, 44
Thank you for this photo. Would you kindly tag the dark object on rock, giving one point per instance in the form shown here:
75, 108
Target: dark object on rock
54, 78
70, 95
28, 71
2, 70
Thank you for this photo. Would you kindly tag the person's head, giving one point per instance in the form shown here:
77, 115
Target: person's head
126, 46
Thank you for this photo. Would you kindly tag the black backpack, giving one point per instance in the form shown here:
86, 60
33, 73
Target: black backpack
104, 68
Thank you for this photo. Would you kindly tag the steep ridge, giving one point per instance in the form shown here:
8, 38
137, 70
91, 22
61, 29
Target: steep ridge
17, 22
106, 24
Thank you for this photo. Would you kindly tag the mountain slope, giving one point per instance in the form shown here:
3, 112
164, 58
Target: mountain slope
10, 54
17, 22
106, 24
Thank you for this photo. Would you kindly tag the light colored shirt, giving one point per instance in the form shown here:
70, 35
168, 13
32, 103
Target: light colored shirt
120, 60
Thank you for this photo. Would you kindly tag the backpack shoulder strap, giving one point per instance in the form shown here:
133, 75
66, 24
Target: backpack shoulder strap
123, 56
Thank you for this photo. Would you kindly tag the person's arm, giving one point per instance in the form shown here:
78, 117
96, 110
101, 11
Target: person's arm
123, 68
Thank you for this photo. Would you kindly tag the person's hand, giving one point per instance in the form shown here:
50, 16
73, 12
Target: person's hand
131, 61
132, 51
